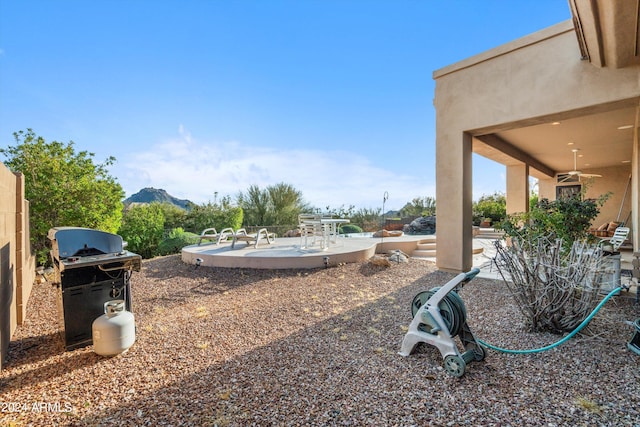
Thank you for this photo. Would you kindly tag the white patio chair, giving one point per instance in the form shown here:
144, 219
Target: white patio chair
312, 229
618, 238
311, 233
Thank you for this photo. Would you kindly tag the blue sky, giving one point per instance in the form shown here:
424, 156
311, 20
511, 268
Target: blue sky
202, 97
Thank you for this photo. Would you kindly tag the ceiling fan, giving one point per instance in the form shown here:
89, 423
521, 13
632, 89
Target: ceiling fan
571, 175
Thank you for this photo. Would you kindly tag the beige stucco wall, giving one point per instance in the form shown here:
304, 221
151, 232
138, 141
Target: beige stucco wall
530, 80
17, 264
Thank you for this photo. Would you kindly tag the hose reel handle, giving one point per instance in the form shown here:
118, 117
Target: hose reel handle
471, 274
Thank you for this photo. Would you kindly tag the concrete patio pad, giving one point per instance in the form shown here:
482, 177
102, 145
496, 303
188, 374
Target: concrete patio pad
285, 252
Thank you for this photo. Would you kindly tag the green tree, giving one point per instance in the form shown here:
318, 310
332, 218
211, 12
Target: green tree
277, 204
340, 212
143, 229
493, 206
174, 216
64, 188
369, 219
533, 200
285, 204
218, 215
420, 206
255, 204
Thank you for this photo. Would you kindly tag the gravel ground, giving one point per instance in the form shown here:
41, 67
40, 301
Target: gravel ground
314, 347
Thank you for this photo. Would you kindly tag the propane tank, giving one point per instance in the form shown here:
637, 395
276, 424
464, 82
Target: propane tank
114, 331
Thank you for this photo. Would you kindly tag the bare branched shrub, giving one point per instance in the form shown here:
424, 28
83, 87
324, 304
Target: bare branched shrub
555, 289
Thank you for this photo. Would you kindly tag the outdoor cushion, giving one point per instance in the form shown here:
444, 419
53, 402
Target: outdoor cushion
603, 227
612, 226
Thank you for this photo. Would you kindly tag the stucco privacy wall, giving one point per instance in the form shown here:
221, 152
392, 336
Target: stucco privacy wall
17, 264
525, 82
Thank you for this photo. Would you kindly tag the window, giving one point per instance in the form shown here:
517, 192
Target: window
567, 191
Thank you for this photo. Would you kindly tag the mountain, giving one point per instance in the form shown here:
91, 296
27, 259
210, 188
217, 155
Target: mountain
149, 195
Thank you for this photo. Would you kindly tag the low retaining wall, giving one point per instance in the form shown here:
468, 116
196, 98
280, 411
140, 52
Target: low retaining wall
17, 264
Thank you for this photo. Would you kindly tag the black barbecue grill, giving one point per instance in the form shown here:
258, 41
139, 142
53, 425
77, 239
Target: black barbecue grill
91, 267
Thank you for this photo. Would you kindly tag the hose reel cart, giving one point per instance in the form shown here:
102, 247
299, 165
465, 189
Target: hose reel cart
439, 315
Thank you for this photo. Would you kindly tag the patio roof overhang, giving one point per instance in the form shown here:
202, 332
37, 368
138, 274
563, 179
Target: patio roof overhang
608, 34
604, 138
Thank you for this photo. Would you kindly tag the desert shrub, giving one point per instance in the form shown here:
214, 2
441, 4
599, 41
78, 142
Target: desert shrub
550, 267
555, 288
176, 239
350, 228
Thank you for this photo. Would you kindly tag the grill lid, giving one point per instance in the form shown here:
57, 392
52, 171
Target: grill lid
79, 242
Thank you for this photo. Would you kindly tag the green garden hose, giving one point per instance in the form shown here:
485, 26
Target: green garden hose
563, 340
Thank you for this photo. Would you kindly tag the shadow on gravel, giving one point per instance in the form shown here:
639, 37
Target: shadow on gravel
345, 370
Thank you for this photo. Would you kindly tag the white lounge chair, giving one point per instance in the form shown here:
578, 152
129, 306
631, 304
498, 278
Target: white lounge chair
212, 234
242, 235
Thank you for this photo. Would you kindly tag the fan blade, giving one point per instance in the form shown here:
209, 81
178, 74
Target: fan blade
590, 175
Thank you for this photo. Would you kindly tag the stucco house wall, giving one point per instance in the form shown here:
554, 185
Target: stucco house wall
532, 80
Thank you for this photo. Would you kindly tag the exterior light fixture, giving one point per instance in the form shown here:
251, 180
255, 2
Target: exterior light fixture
625, 127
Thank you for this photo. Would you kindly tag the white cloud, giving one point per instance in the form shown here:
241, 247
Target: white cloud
195, 170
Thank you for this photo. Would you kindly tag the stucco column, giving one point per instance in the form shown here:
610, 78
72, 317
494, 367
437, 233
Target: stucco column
517, 188
454, 197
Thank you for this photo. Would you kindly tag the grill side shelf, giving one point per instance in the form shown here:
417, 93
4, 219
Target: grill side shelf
128, 261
